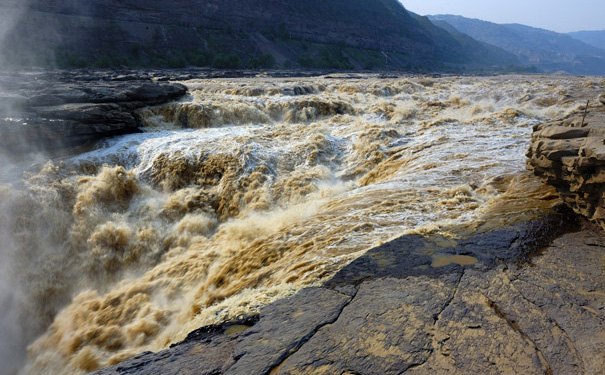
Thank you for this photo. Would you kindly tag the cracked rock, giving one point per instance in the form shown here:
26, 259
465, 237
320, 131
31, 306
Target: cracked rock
547, 317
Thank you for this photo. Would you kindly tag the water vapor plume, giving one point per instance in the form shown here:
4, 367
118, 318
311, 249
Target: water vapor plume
13, 337
12, 340
12, 12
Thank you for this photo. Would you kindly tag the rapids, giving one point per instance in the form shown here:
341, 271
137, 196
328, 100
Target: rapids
249, 190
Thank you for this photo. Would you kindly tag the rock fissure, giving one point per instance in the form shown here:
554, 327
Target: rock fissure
544, 290
449, 302
436, 318
552, 320
513, 324
306, 339
416, 365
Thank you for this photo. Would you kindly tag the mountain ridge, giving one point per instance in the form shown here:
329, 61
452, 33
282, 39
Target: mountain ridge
337, 34
592, 37
548, 50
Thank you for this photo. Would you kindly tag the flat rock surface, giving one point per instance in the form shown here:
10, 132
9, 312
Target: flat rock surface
61, 109
391, 312
570, 155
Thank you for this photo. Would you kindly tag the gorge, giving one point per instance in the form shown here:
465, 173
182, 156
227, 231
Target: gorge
247, 190
312, 187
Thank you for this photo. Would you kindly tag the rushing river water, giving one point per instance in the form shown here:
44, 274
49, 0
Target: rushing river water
249, 190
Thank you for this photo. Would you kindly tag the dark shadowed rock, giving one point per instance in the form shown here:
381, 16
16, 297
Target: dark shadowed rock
386, 329
56, 110
284, 327
250, 346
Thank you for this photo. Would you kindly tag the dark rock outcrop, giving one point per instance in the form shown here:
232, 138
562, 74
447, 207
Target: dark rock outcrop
569, 154
52, 111
486, 318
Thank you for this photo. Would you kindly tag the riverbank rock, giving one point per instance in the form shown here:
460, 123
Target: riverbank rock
393, 311
55, 110
569, 154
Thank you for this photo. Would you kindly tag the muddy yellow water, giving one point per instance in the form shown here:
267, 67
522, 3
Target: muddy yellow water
251, 189
442, 260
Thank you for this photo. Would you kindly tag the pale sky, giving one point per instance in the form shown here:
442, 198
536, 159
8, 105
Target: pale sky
556, 15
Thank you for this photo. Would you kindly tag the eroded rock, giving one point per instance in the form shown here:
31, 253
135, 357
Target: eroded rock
570, 155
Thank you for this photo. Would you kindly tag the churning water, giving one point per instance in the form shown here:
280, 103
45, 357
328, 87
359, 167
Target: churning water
249, 190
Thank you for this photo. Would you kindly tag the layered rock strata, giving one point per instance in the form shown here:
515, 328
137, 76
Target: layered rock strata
569, 154
57, 110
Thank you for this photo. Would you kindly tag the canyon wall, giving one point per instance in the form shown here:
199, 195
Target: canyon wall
77, 31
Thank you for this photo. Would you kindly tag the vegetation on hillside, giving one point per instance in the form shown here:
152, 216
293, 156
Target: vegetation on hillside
309, 34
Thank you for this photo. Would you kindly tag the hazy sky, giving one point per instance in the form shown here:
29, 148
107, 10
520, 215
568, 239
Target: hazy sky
556, 15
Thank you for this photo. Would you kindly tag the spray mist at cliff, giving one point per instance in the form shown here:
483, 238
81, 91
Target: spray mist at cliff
248, 191
12, 338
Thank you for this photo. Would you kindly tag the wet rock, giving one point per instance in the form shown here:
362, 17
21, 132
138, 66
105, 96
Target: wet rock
56, 110
386, 329
570, 155
409, 255
493, 317
282, 328
508, 319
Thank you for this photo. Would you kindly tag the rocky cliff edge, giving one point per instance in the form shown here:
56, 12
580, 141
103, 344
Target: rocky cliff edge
55, 110
569, 154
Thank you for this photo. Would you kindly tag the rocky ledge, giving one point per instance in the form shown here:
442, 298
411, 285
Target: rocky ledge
56, 110
569, 154
490, 308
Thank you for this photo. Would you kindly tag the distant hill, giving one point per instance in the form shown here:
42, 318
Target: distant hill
448, 38
595, 38
547, 50
352, 34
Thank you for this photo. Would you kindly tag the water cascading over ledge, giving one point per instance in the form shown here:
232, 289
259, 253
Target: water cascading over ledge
252, 189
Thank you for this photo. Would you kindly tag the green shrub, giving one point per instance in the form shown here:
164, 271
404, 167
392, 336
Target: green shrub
332, 58
201, 58
228, 61
306, 60
288, 64
65, 60
265, 61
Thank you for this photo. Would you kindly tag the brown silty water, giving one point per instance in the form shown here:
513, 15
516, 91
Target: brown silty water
252, 189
